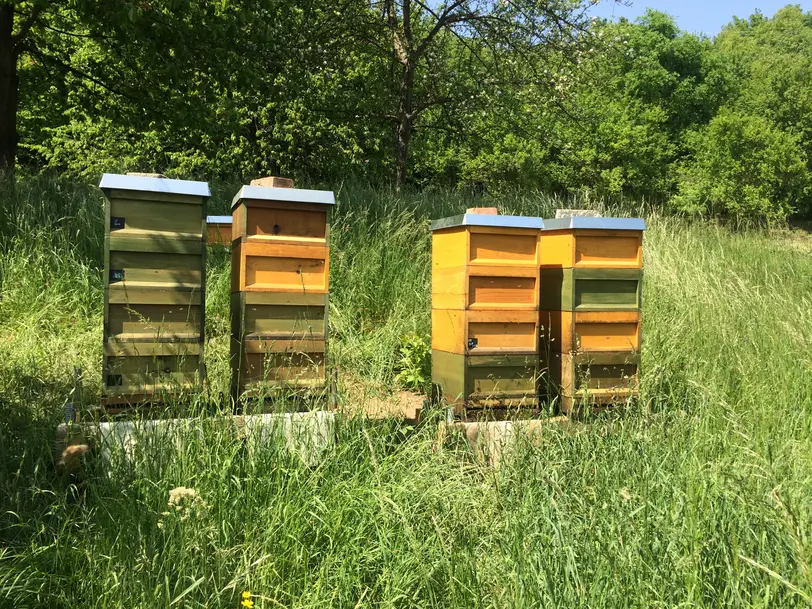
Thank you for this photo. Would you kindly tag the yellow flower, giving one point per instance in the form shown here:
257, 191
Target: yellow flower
246, 600
246, 595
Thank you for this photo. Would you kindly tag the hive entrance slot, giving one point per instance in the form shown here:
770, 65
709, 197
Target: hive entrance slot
114, 380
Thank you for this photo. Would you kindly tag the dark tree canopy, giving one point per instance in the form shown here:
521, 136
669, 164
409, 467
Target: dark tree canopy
496, 93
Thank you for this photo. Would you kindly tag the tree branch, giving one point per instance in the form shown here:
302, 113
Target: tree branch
397, 43
437, 101
443, 20
36, 11
77, 72
74, 34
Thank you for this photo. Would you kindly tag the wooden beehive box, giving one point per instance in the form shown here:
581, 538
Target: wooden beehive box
485, 300
479, 381
591, 269
485, 262
154, 297
485, 332
592, 264
279, 289
584, 242
590, 331
591, 379
218, 230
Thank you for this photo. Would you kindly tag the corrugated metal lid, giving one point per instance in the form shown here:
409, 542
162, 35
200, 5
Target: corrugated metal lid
117, 181
488, 220
586, 222
288, 195
218, 220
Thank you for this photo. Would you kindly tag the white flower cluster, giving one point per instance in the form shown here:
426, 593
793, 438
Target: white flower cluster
186, 503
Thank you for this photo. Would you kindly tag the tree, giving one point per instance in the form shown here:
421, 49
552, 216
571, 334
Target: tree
213, 89
160, 61
744, 166
498, 35
16, 21
644, 89
772, 58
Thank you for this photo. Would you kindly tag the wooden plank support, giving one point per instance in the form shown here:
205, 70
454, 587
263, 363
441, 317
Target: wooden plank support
306, 434
493, 441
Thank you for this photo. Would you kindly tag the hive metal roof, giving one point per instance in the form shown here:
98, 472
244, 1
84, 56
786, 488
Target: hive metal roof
488, 220
586, 222
218, 220
115, 181
288, 195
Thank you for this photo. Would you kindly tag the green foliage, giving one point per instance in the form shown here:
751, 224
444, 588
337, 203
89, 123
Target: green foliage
414, 362
744, 166
650, 83
235, 90
771, 60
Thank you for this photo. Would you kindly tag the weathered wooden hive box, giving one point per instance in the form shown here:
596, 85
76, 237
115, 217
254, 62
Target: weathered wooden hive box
485, 303
279, 290
591, 269
155, 284
218, 230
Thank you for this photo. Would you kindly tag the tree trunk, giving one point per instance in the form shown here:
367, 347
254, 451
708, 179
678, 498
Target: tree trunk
404, 129
9, 89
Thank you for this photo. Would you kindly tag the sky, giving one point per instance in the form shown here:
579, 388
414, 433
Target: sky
697, 16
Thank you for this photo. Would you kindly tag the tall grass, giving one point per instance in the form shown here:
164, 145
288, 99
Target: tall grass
703, 497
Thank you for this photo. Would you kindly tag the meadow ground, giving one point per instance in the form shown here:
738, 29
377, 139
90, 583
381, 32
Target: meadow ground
702, 496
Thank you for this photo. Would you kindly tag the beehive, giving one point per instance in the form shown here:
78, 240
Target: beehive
279, 289
591, 269
218, 230
485, 302
154, 296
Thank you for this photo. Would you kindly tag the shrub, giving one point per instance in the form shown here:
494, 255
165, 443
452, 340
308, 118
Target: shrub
414, 362
744, 166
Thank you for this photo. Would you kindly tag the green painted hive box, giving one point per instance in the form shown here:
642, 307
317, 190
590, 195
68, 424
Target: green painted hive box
482, 381
155, 285
592, 264
581, 381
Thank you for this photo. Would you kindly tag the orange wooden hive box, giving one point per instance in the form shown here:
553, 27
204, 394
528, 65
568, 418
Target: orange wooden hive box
218, 230
590, 309
279, 290
485, 299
